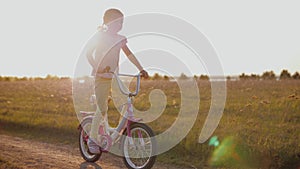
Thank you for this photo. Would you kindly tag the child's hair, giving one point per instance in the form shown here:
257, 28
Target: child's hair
111, 14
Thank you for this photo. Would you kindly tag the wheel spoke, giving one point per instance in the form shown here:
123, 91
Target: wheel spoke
83, 136
140, 156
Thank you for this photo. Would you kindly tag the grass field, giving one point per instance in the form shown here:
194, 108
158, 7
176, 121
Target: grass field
260, 127
7, 165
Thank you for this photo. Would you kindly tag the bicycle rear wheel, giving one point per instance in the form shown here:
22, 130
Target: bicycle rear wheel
139, 152
83, 137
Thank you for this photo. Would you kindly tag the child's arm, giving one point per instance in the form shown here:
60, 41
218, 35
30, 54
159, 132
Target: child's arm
133, 59
89, 53
91, 60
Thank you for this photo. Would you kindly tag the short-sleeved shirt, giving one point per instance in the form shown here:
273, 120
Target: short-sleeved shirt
107, 50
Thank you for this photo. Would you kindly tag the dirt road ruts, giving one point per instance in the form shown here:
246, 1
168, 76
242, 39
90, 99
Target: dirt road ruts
22, 153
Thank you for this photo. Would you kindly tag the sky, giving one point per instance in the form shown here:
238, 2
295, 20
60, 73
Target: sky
46, 37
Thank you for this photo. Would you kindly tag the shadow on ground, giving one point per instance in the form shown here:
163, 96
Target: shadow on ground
88, 165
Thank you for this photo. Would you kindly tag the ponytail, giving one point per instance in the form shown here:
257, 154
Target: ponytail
103, 28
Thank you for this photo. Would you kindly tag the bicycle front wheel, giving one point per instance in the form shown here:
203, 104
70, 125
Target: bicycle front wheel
139, 149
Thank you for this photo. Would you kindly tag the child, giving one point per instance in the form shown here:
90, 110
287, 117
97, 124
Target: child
103, 55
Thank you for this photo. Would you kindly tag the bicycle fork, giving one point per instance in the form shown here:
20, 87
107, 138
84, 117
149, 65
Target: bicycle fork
131, 120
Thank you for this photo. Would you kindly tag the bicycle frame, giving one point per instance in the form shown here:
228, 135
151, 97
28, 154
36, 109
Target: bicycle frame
112, 134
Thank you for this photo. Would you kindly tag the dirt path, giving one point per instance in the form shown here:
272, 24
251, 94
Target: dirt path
32, 154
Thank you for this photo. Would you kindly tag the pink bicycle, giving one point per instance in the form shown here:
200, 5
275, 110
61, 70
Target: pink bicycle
136, 140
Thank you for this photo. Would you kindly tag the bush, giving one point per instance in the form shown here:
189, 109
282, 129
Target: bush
296, 75
183, 76
268, 75
166, 77
204, 77
285, 74
156, 76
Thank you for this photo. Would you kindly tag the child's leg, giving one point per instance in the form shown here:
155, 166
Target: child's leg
102, 88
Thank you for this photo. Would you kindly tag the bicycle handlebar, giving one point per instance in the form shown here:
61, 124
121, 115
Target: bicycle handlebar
121, 85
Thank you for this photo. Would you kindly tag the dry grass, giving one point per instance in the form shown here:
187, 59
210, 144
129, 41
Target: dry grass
262, 116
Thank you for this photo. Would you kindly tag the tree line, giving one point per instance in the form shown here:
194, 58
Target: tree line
267, 75
270, 75
14, 78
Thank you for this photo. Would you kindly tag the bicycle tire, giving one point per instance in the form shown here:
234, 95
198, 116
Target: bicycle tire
152, 158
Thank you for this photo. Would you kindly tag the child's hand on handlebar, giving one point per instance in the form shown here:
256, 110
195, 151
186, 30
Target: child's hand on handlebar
144, 74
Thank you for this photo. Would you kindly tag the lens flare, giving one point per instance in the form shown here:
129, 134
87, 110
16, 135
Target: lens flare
214, 141
229, 153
